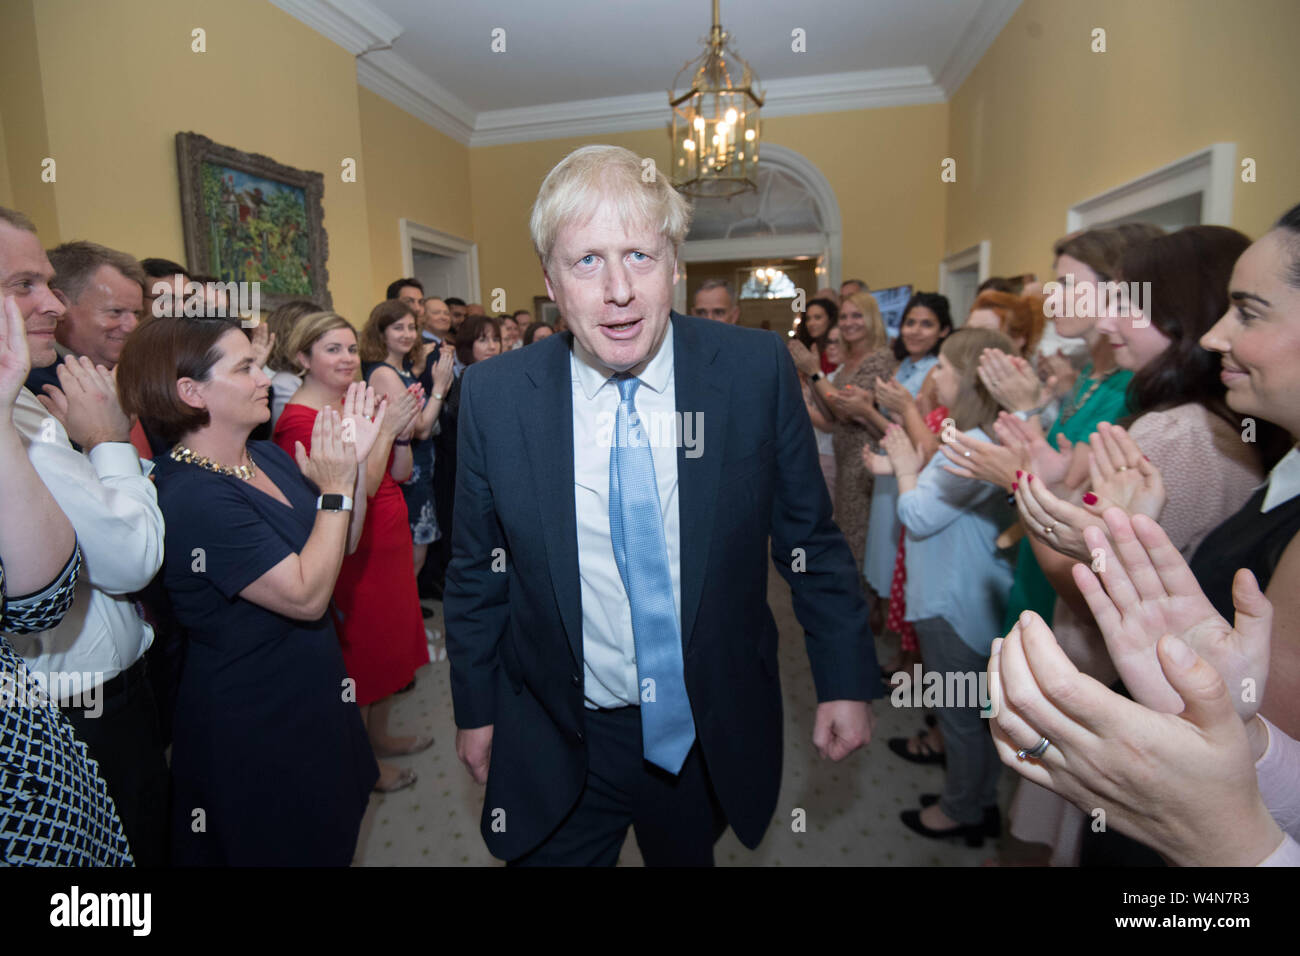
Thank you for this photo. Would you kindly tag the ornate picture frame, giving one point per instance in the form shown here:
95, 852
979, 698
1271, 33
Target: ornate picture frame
248, 218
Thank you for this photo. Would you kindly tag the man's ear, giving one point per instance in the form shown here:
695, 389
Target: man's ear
547, 279
187, 390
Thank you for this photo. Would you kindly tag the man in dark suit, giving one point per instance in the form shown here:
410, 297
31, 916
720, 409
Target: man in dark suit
613, 657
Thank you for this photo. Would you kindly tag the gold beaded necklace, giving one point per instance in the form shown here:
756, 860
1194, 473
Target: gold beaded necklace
243, 472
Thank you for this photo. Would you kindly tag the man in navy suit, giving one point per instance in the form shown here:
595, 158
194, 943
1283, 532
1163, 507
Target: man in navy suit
613, 656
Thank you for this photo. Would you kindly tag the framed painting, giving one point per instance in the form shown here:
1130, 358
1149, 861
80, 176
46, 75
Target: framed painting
250, 219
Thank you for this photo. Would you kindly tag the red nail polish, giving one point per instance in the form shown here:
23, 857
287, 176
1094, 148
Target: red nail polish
1014, 486
1090, 499
1030, 478
1020, 474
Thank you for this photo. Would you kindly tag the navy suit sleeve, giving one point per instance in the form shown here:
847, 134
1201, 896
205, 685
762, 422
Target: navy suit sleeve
811, 554
476, 599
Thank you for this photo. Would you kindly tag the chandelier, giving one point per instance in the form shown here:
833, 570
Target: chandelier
715, 121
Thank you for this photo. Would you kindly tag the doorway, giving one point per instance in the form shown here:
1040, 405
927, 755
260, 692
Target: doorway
446, 264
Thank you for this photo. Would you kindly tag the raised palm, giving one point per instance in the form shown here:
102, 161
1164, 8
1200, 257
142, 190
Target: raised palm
1146, 590
359, 408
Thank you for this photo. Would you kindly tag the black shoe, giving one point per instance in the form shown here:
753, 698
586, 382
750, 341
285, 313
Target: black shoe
973, 833
408, 687
899, 746
992, 816
425, 612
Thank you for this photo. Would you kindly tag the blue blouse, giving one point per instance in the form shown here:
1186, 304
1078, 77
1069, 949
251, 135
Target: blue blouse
954, 568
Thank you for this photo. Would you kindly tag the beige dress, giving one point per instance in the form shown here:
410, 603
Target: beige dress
1208, 472
852, 479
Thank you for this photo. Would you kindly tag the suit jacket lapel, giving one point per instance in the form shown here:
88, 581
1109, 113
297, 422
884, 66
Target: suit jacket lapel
546, 416
701, 394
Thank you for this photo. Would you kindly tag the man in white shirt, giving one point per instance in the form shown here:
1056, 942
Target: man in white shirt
613, 656
92, 659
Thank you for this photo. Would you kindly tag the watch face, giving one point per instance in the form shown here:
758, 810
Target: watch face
331, 502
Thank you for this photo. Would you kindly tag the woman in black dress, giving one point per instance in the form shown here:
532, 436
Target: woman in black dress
270, 764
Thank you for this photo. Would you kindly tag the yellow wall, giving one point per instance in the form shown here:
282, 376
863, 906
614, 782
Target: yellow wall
891, 202
1043, 122
120, 80
23, 135
412, 172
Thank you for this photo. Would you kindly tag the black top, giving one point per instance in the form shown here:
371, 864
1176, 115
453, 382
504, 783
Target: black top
267, 740
1248, 539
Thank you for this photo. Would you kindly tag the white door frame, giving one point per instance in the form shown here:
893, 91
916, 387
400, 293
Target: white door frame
415, 236
824, 245
1211, 171
977, 255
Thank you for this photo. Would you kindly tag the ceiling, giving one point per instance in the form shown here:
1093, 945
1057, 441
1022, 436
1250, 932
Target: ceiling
573, 67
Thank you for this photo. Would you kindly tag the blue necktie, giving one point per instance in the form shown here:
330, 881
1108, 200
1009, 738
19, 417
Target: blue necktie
637, 532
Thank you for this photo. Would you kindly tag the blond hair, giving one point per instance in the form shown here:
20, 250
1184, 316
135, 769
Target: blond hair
973, 407
877, 334
593, 175
308, 332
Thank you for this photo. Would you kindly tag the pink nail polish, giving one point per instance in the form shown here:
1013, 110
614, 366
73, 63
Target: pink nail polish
1030, 478
1020, 474
1090, 499
1014, 486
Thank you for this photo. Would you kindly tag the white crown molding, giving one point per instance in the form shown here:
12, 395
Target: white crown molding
354, 25
975, 41
357, 25
391, 77
833, 92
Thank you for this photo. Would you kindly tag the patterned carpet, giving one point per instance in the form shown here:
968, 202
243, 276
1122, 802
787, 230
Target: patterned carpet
851, 808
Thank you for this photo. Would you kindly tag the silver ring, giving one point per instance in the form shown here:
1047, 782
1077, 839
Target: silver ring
1123, 468
966, 453
1035, 752
1049, 529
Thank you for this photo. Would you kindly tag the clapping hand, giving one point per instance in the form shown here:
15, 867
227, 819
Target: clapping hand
893, 396
804, 360
1057, 523
902, 454
1122, 475
1025, 438
876, 463
359, 409
1147, 590
15, 360
984, 460
852, 402
400, 420
1010, 380
1059, 374
332, 466
444, 370
1184, 785
86, 403
262, 342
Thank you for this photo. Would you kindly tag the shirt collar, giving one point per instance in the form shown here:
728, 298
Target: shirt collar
1283, 481
592, 374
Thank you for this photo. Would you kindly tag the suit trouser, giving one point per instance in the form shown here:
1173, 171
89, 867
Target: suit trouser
973, 765
676, 819
126, 743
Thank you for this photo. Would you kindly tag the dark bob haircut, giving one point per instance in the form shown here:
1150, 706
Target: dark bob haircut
157, 355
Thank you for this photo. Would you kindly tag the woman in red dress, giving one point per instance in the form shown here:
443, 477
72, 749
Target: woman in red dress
376, 603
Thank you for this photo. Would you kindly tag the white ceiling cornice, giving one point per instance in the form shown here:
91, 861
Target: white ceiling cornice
989, 20
813, 94
357, 25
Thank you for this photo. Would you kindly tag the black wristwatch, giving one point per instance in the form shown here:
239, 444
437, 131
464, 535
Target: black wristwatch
333, 503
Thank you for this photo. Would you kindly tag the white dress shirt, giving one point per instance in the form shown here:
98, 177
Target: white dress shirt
1283, 481
114, 510
608, 647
